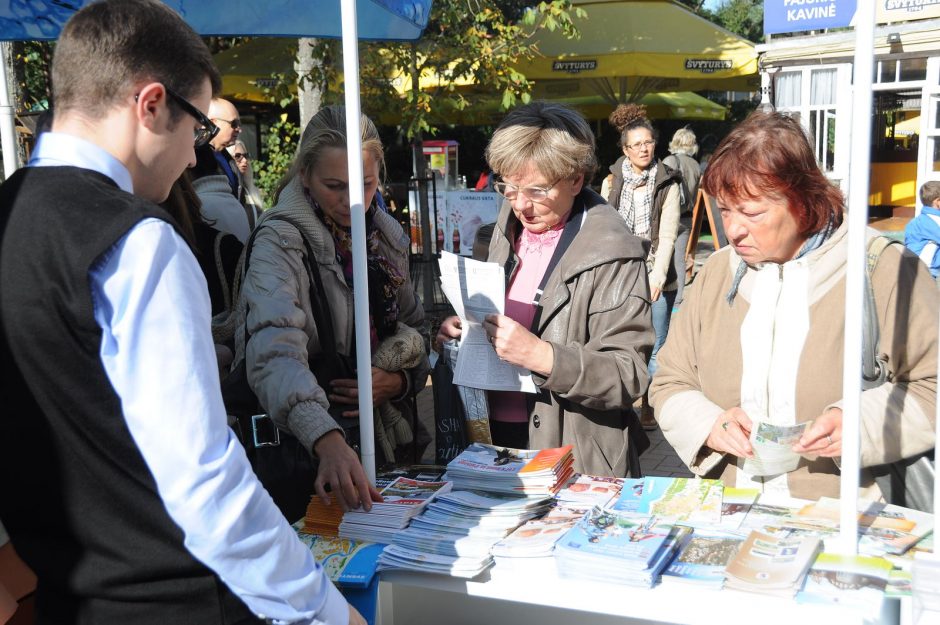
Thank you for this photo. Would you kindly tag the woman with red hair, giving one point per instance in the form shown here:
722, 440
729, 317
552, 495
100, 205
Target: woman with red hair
759, 338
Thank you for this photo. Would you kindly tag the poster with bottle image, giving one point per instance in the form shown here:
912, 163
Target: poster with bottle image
466, 212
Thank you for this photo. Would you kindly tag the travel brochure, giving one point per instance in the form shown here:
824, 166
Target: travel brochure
636, 531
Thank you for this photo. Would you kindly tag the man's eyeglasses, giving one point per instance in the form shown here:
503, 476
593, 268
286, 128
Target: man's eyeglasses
206, 131
536, 194
641, 144
241, 156
234, 123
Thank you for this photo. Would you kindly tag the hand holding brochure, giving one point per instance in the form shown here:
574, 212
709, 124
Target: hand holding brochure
475, 290
772, 445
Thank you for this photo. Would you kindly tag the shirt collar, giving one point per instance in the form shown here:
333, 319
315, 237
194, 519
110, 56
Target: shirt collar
57, 149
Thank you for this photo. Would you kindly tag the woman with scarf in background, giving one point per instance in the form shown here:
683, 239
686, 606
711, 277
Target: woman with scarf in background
646, 194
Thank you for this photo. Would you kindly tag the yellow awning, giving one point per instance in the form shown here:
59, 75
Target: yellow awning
646, 39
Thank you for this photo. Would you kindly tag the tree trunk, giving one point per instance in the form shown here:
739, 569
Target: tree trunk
309, 94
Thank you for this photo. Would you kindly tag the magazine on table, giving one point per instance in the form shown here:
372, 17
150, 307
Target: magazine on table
702, 558
633, 542
505, 469
856, 582
735, 504
883, 528
772, 564
587, 491
537, 537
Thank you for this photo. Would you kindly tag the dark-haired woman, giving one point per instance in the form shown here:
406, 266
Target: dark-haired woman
760, 335
646, 194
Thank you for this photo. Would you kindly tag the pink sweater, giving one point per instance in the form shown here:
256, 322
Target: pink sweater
534, 252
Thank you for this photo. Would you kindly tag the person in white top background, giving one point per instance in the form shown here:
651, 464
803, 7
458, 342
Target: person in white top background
123, 487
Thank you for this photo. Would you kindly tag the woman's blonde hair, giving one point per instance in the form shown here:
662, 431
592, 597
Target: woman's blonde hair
553, 138
327, 129
683, 142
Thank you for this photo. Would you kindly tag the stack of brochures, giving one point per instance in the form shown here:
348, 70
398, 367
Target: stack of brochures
508, 470
457, 531
608, 546
772, 564
536, 538
587, 491
403, 499
702, 558
349, 563
322, 519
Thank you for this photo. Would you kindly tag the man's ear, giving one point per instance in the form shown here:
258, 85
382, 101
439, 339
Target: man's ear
150, 104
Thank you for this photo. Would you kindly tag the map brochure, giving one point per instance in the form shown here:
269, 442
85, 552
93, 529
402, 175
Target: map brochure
702, 559
346, 562
772, 564
677, 499
851, 582
772, 445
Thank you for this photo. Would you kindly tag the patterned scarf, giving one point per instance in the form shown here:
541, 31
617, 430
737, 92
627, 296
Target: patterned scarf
638, 217
384, 278
812, 243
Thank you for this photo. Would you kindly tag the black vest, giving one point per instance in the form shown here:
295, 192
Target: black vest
77, 498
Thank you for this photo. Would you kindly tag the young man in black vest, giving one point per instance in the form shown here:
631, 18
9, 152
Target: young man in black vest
123, 488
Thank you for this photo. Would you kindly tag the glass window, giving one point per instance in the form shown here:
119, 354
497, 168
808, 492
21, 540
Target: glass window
936, 153
822, 127
913, 69
935, 101
787, 89
822, 86
887, 71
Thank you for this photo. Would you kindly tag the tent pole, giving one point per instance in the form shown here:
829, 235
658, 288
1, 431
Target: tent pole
7, 118
854, 275
358, 217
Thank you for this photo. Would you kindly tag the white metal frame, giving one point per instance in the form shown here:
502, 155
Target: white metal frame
929, 125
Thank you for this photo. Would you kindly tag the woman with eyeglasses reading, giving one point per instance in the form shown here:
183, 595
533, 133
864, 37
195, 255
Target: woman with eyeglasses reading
577, 314
646, 194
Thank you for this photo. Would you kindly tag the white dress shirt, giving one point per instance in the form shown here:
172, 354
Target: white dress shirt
152, 304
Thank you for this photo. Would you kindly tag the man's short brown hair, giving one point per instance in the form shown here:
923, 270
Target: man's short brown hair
108, 46
930, 192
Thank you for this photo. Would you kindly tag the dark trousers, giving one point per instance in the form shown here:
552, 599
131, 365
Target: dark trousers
510, 434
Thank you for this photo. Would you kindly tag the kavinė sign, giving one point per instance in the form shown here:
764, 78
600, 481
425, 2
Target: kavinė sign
789, 16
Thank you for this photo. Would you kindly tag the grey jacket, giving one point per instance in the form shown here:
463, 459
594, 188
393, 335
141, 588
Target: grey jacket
280, 319
596, 315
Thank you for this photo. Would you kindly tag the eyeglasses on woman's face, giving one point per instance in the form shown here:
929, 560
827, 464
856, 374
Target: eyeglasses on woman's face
510, 191
639, 145
206, 130
241, 156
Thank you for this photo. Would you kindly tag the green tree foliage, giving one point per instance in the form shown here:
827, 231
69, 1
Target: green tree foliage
742, 17
280, 142
466, 41
32, 61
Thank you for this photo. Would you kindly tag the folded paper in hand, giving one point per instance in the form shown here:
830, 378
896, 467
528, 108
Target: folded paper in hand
475, 290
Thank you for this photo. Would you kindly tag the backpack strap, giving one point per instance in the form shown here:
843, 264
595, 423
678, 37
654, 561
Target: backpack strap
874, 368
